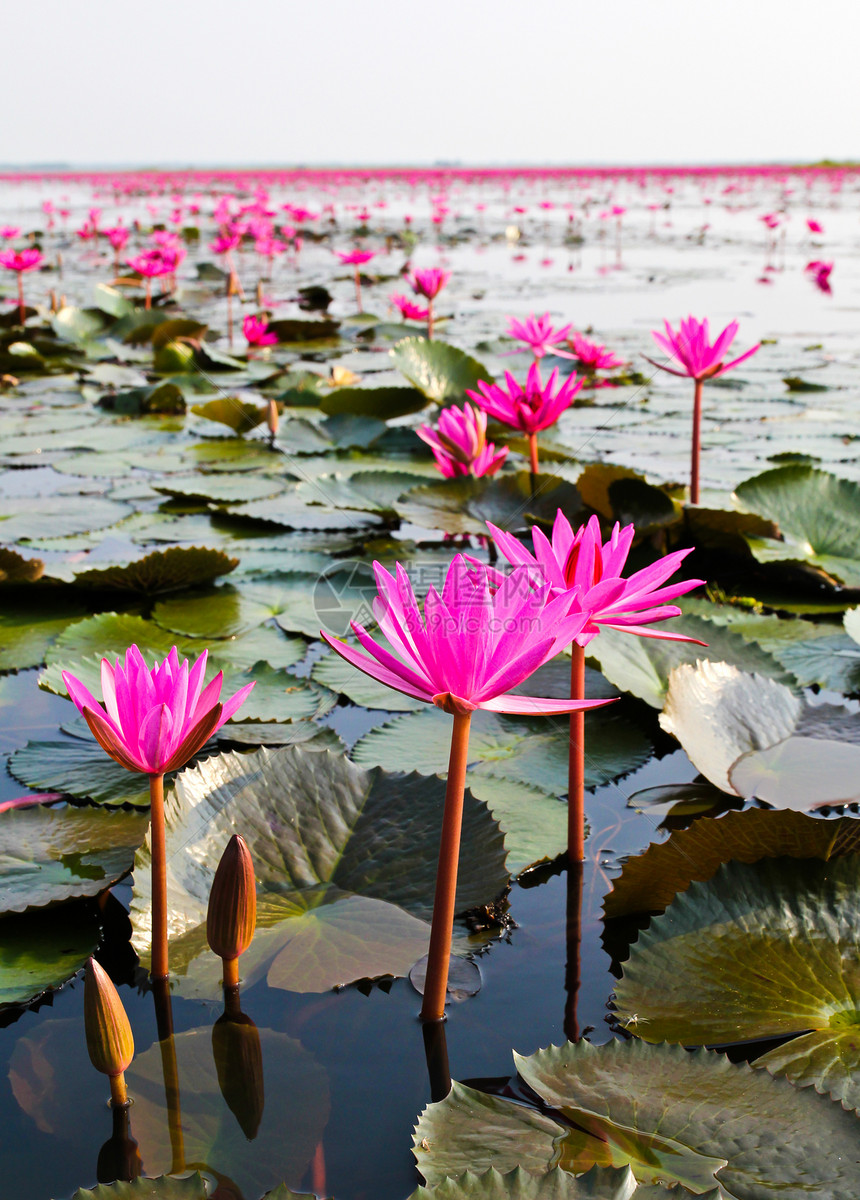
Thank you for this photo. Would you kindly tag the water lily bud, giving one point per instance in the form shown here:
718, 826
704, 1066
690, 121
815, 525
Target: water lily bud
109, 1040
232, 913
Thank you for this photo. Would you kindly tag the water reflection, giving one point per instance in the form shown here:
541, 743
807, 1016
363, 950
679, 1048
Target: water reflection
436, 1053
170, 1071
238, 1056
119, 1157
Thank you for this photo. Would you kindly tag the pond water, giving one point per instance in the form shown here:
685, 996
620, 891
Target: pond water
345, 1070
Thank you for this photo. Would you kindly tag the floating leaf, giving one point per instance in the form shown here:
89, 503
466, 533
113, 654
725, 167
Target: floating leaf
40, 951
649, 882
317, 827
818, 515
465, 505
800, 773
671, 1115
336, 673
56, 516
51, 854
165, 1187
28, 629
239, 415
170, 570
759, 951
385, 403
297, 330
597, 1184
439, 370
78, 767
232, 609
222, 488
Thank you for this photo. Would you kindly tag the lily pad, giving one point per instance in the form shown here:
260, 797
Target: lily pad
385, 403
465, 505
650, 881
597, 1184
317, 827
670, 1115
232, 609
239, 415
77, 766
27, 629
439, 370
170, 570
221, 487
532, 751
759, 951
165, 1187
340, 676
40, 951
56, 516
52, 854
818, 515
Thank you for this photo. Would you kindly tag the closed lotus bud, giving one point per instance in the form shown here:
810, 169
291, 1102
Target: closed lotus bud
109, 1040
232, 913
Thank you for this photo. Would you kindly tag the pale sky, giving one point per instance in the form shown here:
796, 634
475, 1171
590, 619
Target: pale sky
392, 81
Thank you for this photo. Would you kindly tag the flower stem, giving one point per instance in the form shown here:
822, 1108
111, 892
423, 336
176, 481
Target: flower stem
429, 320
576, 761
533, 453
358, 288
436, 982
572, 967
147, 303
697, 440
118, 1091
158, 969
22, 311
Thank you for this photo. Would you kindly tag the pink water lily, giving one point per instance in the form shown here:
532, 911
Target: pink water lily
531, 408
697, 358
356, 259
473, 644
459, 443
428, 283
539, 334
21, 261
592, 356
154, 719
408, 308
257, 332
583, 567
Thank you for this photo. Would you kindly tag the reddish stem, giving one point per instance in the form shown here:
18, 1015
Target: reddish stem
576, 761
697, 442
533, 453
358, 288
436, 982
22, 312
148, 300
429, 320
158, 969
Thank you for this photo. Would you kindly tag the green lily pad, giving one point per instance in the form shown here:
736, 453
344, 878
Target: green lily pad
221, 487
529, 750
304, 509
111, 301
77, 324
232, 609
56, 516
292, 1092
818, 515
465, 505
367, 491
297, 330
597, 1184
650, 881
340, 676
670, 1115
619, 494
27, 628
439, 370
40, 951
643, 665
165, 1187
318, 827
385, 403
171, 570
52, 854
77, 766
239, 415
800, 773
830, 662
759, 951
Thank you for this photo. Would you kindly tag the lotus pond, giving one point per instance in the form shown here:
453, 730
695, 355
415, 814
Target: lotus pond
680, 1014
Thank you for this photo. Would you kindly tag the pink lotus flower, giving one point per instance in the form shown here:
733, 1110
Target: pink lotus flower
587, 570
9, 232
474, 642
408, 308
154, 719
582, 565
814, 226
459, 443
591, 356
538, 333
152, 263
692, 350
355, 258
21, 260
429, 282
257, 332
118, 236
698, 359
224, 243
820, 272
529, 409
